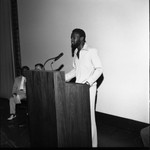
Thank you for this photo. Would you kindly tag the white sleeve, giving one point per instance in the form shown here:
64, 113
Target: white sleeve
22, 83
97, 67
71, 74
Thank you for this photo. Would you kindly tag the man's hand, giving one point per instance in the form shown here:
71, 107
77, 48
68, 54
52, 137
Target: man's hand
87, 83
14, 94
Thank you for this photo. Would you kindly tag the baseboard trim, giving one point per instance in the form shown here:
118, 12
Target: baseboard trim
120, 122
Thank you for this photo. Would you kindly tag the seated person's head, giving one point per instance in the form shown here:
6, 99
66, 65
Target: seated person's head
24, 68
39, 67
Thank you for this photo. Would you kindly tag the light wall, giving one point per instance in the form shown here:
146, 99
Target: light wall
119, 29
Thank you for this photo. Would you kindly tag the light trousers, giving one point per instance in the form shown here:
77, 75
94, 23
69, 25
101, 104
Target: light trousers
93, 121
13, 101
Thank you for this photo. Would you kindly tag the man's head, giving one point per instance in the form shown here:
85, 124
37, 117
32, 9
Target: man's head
24, 68
39, 67
78, 37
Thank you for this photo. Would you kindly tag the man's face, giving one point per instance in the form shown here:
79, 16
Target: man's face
75, 40
23, 70
38, 68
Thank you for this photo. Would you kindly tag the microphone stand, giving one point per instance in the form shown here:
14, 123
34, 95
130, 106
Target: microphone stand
51, 64
49, 60
54, 59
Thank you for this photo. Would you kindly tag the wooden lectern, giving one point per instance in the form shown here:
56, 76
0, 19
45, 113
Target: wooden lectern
59, 112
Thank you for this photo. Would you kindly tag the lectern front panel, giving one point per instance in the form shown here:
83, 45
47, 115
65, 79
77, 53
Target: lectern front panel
42, 110
78, 115
59, 112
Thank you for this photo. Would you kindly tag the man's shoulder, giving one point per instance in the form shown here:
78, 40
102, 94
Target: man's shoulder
92, 49
18, 78
89, 47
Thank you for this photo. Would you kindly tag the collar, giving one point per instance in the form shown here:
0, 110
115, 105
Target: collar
21, 76
85, 47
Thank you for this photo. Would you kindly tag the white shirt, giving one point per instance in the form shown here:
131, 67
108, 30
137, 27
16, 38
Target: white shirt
22, 83
87, 68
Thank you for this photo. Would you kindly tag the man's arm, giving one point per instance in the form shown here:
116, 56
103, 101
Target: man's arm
15, 87
70, 75
97, 67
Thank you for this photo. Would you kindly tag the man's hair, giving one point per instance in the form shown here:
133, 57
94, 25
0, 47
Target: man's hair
24, 68
39, 64
80, 32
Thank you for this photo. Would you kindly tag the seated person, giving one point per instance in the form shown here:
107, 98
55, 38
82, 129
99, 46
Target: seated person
18, 92
145, 134
39, 67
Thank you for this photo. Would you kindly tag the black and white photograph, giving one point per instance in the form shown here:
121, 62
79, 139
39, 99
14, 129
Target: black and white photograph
74, 74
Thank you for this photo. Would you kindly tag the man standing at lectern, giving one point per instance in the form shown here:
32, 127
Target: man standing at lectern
87, 69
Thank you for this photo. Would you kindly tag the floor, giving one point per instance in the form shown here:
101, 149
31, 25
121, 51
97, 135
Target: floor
14, 134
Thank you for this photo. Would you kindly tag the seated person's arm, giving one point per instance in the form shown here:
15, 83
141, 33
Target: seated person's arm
14, 89
22, 91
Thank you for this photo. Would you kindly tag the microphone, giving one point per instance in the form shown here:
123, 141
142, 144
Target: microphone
60, 67
60, 55
54, 58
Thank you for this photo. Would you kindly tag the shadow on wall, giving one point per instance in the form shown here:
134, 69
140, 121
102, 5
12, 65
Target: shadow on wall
99, 82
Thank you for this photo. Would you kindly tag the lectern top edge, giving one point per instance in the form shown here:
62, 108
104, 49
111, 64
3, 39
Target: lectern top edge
45, 70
